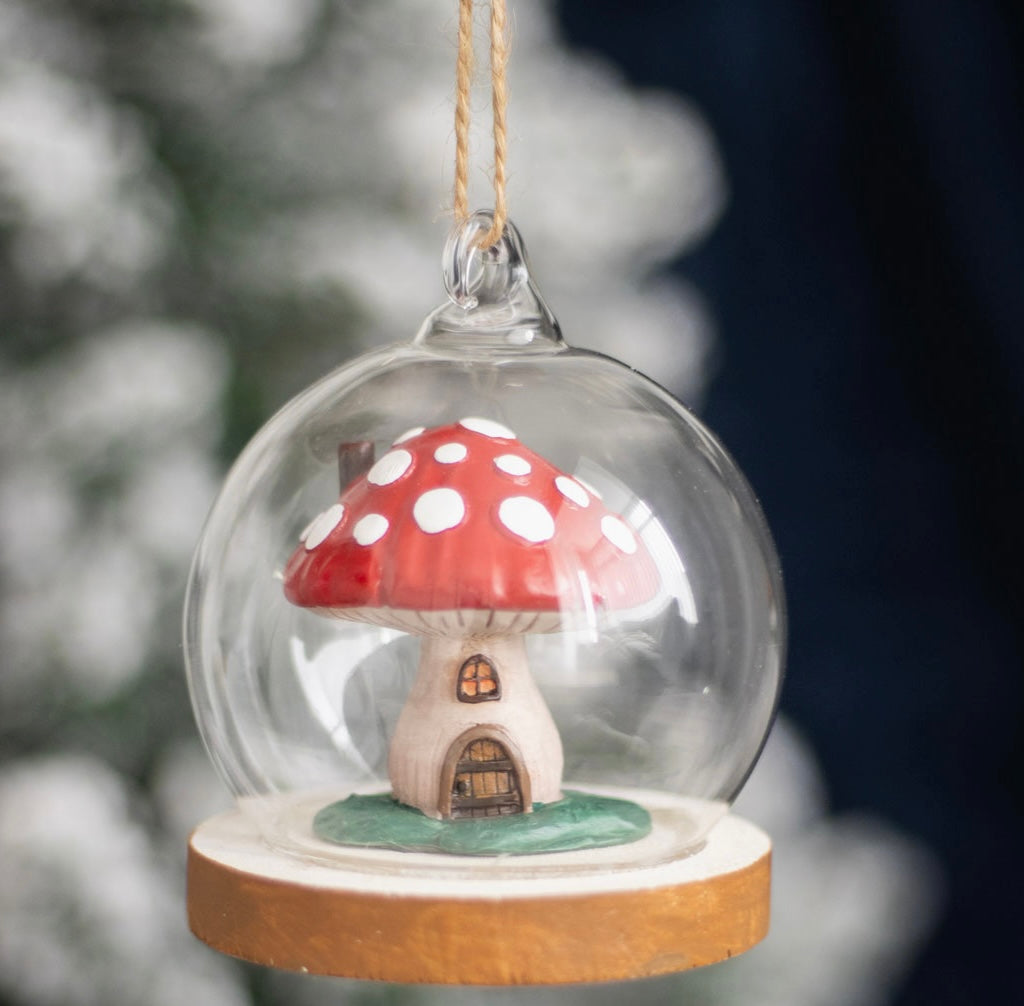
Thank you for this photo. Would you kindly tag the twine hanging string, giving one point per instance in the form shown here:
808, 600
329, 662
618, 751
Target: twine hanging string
499, 101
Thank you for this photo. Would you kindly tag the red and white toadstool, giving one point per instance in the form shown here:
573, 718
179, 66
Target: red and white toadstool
466, 537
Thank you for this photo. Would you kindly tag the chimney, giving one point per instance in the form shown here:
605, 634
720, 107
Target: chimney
353, 459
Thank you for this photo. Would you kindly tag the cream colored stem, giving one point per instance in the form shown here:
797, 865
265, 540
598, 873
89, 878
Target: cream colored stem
433, 718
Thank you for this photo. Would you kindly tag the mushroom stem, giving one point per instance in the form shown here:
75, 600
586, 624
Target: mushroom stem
435, 725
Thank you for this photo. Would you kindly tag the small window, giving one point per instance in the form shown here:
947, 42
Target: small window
478, 681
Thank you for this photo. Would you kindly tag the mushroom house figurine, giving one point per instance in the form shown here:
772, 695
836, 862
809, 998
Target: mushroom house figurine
464, 536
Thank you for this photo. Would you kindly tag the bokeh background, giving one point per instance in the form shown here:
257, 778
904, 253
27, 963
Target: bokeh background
804, 218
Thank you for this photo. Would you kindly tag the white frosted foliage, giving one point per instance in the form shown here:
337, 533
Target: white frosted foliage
389, 468
370, 529
86, 582
527, 518
254, 33
487, 428
451, 454
91, 904
438, 510
323, 525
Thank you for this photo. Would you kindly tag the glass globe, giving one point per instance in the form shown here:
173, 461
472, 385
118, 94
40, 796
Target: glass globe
485, 544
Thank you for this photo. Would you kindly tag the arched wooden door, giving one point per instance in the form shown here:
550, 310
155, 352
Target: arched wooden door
485, 780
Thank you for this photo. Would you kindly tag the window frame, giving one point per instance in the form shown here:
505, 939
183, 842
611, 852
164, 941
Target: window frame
474, 662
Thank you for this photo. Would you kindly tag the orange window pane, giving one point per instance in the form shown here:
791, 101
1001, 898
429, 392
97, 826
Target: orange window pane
478, 680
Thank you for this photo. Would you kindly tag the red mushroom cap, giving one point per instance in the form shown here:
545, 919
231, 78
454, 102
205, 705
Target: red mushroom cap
462, 528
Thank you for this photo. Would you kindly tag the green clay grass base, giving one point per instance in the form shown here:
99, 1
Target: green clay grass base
577, 821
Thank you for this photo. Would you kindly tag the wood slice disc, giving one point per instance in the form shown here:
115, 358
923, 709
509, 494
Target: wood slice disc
410, 923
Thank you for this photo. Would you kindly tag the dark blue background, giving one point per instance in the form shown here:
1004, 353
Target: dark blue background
868, 279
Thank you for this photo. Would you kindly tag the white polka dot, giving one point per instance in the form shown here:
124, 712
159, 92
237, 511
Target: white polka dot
618, 534
308, 528
512, 464
572, 490
370, 529
389, 468
527, 518
438, 510
324, 525
408, 435
487, 427
590, 489
450, 454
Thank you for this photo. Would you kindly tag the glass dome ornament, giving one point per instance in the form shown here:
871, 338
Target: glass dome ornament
485, 634
483, 609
